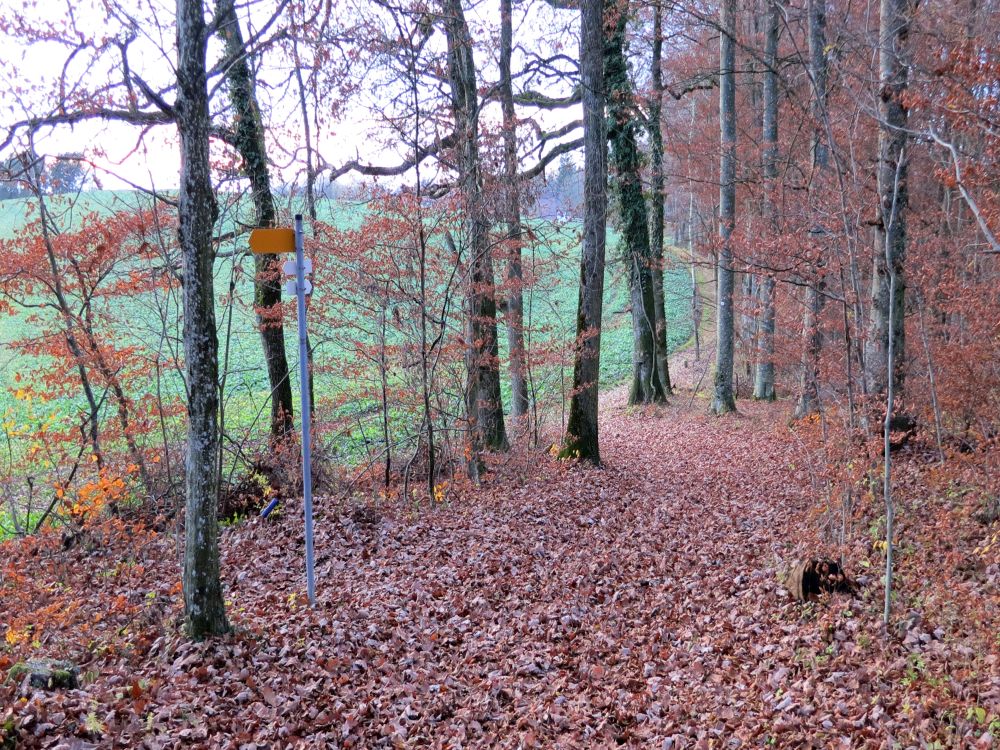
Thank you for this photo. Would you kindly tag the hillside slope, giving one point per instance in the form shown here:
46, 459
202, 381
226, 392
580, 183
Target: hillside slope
557, 606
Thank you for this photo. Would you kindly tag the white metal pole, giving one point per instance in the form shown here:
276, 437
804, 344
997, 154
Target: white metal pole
305, 411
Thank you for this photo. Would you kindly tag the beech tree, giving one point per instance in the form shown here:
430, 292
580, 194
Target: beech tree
132, 99
196, 213
623, 124
248, 140
763, 387
514, 304
724, 399
808, 398
657, 196
888, 294
885, 355
460, 166
484, 407
582, 434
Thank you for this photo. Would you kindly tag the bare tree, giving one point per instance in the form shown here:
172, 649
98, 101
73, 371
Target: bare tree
763, 387
724, 400
885, 349
484, 407
657, 197
582, 427
888, 279
514, 311
808, 399
197, 209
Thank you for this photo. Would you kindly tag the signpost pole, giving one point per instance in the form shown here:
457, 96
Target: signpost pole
283, 240
305, 412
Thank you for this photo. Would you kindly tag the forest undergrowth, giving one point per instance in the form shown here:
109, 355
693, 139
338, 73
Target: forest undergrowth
639, 604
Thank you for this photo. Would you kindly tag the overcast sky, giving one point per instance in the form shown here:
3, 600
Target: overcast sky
127, 156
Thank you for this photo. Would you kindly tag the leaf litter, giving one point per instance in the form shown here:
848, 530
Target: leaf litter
557, 606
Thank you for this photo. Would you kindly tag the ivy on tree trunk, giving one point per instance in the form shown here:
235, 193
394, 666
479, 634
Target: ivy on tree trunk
623, 124
248, 139
484, 405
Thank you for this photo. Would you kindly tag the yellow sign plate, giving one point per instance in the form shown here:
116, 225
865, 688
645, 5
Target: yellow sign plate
279, 240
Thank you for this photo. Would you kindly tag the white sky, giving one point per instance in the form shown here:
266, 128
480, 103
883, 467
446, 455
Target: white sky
27, 73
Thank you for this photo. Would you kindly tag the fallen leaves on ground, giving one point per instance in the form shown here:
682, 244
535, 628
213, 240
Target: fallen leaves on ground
557, 606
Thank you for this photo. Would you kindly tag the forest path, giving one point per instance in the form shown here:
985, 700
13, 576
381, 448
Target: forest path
557, 606
563, 606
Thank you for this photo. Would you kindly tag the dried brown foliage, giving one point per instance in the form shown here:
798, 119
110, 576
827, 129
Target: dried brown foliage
558, 606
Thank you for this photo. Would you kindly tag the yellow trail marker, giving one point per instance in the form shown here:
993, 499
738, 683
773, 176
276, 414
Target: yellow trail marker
280, 240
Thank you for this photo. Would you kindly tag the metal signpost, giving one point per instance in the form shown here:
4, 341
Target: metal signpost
274, 241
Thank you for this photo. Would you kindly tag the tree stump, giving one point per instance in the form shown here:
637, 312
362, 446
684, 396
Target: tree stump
47, 674
809, 578
989, 512
366, 515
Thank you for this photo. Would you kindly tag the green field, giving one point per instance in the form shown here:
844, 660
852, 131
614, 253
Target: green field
552, 305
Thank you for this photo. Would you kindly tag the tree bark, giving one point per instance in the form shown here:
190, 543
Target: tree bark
484, 406
622, 126
812, 344
888, 280
582, 438
724, 399
249, 142
658, 192
512, 215
204, 607
763, 387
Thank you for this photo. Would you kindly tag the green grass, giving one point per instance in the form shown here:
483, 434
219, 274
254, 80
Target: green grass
8, 529
142, 322
552, 305
555, 305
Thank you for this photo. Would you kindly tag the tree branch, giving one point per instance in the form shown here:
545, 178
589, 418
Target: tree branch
374, 170
969, 200
32, 124
536, 99
562, 148
698, 84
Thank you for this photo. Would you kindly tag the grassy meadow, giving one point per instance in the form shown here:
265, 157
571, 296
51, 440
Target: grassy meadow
550, 305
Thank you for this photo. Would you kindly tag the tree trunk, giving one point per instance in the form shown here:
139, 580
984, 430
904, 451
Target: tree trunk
818, 73
890, 233
484, 407
582, 427
656, 235
696, 306
724, 400
512, 210
748, 323
812, 344
622, 125
763, 387
204, 608
249, 142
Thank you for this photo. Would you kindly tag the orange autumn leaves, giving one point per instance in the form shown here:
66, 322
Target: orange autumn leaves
83, 305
